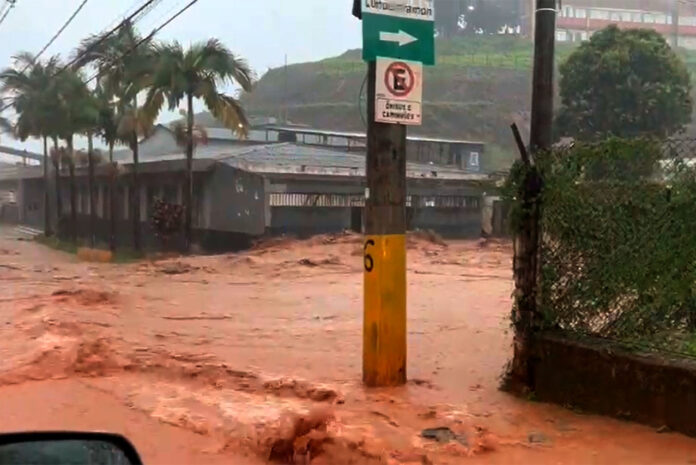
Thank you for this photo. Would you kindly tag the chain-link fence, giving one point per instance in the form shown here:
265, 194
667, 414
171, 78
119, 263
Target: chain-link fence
618, 242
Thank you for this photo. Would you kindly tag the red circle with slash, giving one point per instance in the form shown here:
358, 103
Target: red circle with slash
399, 79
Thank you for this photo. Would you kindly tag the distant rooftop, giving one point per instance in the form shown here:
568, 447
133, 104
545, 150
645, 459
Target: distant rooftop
361, 135
291, 158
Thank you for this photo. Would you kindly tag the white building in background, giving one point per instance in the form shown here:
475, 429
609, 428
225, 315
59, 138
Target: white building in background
675, 19
579, 19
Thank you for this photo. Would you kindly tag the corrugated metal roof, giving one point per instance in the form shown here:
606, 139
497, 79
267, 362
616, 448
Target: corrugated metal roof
290, 158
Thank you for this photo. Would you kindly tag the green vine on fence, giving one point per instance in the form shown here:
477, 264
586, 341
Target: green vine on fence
618, 247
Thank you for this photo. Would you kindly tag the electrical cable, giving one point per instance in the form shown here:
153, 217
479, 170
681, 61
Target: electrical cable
60, 31
101, 39
10, 4
146, 38
92, 46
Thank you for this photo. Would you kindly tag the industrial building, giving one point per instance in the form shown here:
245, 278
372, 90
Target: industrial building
244, 191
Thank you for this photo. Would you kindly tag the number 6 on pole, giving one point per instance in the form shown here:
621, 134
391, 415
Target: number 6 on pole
369, 262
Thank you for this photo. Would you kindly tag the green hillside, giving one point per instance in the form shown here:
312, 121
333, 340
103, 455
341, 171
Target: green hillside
479, 86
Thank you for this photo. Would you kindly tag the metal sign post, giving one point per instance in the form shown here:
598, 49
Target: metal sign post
398, 37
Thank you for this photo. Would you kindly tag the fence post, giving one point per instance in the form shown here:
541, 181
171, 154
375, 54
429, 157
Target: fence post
526, 317
526, 248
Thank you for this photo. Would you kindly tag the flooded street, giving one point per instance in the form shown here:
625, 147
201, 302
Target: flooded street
256, 356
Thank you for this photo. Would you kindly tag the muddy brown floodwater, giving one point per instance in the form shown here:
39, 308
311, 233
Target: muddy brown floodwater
255, 357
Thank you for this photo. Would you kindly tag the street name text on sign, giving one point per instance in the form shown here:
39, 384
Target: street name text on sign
399, 92
403, 29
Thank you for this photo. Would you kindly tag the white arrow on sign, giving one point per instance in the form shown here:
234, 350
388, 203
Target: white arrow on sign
403, 38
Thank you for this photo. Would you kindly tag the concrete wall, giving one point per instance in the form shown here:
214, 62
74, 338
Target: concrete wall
234, 201
598, 376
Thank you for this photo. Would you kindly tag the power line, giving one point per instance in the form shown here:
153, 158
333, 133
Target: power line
147, 10
101, 39
60, 31
145, 39
10, 4
92, 46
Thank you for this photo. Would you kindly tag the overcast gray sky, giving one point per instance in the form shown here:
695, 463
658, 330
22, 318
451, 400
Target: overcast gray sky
262, 31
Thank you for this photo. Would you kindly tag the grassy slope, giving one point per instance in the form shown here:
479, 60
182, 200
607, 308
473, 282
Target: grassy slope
479, 86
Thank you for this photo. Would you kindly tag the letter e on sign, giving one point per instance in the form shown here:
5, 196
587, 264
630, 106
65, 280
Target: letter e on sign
399, 79
399, 92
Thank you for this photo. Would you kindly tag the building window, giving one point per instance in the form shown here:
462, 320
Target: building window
615, 16
599, 14
660, 19
580, 13
474, 159
583, 36
636, 17
648, 18
568, 11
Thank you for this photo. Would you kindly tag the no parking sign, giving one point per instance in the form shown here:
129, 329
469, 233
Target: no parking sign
399, 92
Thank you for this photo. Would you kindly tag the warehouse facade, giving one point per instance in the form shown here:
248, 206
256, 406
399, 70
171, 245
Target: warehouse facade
246, 192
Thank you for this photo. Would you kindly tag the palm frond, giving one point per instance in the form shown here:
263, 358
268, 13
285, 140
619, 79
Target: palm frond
228, 111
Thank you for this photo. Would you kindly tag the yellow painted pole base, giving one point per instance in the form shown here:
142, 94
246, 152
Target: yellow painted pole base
384, 323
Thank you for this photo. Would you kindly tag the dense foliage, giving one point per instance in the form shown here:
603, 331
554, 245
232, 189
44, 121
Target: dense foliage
167, 219
618, 253
624, 83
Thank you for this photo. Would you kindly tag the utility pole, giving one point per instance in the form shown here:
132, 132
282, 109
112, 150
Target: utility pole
397, 42
527, 239
541, 135
384, 323
675, 24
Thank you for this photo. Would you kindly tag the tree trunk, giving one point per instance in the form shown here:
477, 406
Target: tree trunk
90, 182
73, 191
188, 198
135, 197
47, 198
112, 199
59, 196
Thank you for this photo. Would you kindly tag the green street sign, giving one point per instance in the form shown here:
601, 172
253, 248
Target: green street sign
401, 29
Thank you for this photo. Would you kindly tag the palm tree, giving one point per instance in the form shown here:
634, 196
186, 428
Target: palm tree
198, 72
123, 61
107, 129
29, 86
79, 114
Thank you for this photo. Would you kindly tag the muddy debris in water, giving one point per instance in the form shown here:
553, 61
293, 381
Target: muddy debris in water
331, 260
537, 438
269, 244
87, 297
444, 435
300, 438
303, 390
409, 458
174, 268
420, 239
